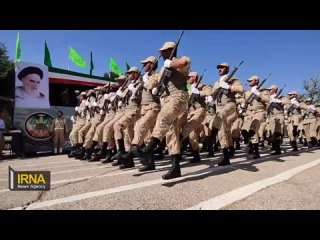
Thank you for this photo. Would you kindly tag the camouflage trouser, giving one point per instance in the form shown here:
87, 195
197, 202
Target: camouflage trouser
99, 130
146, 122
294, 121
83, 131
167, 121
58, 137
310, 128
236, 128
75, 131
193, 126
223, 123
252, 121
88, 140
108, 132
275, 125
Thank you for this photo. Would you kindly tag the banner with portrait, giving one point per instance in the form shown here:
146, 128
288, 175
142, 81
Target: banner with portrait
31, 86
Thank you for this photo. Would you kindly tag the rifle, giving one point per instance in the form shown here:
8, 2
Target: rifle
162, 87
225, 91
252, 96
278, 106
194, 96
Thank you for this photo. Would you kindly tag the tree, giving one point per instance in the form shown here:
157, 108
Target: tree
5, 64
312, 87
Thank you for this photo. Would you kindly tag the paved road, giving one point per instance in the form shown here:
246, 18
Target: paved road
288, 181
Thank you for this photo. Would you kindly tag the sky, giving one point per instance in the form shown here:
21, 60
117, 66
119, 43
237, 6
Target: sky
292, 56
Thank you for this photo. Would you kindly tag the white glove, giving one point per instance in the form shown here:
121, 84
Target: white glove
88, 117
105, 96
86, 103
195, 90
154, 91
119, 92
94, 104
72, 118
255, 91
109, 106
101, 112
167, 63
119, 104
76, 109
145, 78
83, 101
311, 107
242, 105
275, 100
130, 86
295, 102
209, 99
224, 85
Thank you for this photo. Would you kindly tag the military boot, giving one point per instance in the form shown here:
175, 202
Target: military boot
175, 170
226, 158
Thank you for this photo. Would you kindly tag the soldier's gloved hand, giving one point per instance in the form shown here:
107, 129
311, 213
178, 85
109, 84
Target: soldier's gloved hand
130, 86
119, 92
76, 109
145, 78
224, 85
105, 96
167, 63
88, 117
312, 108
154, 91
120, 104
275, 100
255, 91
101, 112
109, 106
209, 99
72, 118
94, 104
242, 105
83, 101
86, 103
195, 90
295, 102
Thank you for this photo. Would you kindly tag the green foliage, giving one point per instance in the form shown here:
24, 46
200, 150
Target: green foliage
312, 88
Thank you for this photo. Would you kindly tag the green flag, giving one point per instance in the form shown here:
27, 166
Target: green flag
76, 58
127, 66
91, 64
18, 49
47, 58
114, 68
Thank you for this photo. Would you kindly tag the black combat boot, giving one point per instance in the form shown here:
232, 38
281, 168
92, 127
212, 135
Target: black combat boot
148, 164
88, 154
108, 157
231, 151
196, 156
294, 146
73, 150
310, 145
127, 159
121, 151
256, 151
92, 149
277, 147
81, 153
226, 158
102, 153
210, 147
237, 141
175, 170
250, 148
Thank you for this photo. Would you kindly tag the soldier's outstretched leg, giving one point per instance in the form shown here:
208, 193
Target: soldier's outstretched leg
256, 151
175, 170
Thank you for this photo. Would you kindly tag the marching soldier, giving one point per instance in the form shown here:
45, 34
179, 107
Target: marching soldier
276, 119
59, 130
150, 107
255, 114
225, 108
174, 103
292, 109
310, 122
